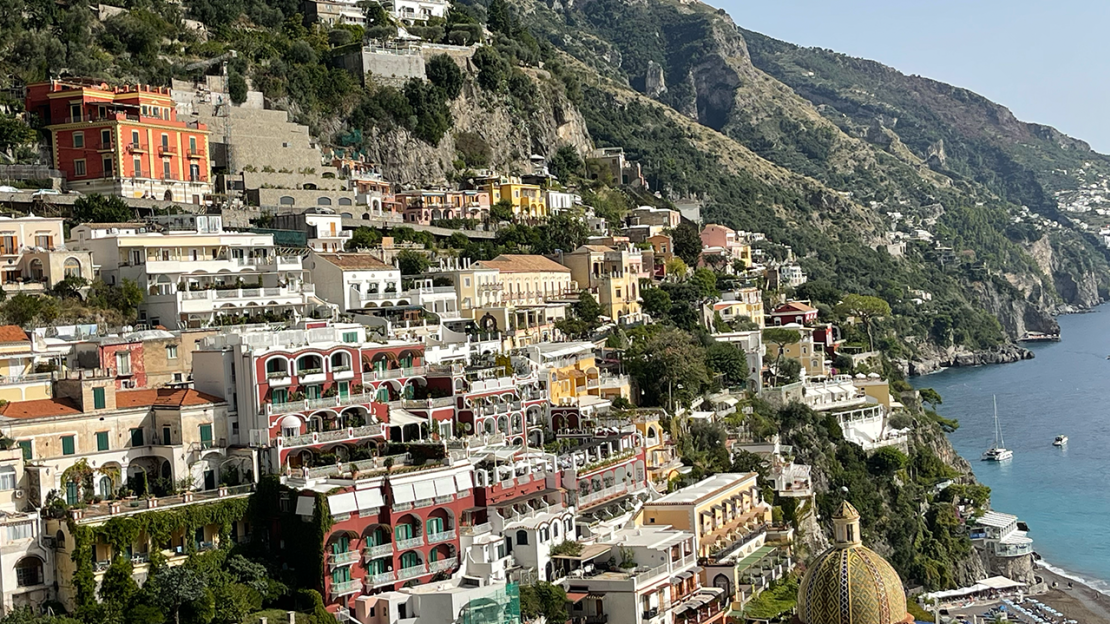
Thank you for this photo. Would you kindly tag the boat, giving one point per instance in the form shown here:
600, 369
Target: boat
1061, 440
998, 451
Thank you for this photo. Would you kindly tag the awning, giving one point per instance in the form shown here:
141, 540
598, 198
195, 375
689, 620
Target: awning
342, 503
573, 597
445, 486
424, 490
589, 551
685, 575
464, 481
400, 417
369, 499
306, 505
403, 493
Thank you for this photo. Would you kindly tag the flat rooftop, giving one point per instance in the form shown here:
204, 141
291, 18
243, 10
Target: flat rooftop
704, 489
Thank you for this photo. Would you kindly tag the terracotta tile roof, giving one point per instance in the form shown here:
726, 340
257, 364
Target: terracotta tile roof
355, 261
597, 248
522, 263
13, 333
165, 397
794, 306
39, 408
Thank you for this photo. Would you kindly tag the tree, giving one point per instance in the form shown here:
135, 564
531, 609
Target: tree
27, 615
22, 309
124, 297
430, 114
444, 73
499, 17
865, 308
565, 231
669, 367
97, 208
14, 133
364, 238
686, 242
412, 262
930, 396
706, 283
677, 267
234, 602
502, 210
780, 337
887, 461
118, 587
586, 308
544, 599
656, 301
70, 287
728, 360
566, 162
375, 14
493, 69
176, 587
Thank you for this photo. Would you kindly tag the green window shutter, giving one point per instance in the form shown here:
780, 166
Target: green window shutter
136, 437
102, 441
26, 446
68, 447
350, 336
434, 555
344, 389
71, 493
206, 435
98, 398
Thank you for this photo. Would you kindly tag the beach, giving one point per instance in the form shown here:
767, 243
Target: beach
1079, 602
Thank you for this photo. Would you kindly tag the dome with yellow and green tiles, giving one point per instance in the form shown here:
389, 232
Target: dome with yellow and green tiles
850, 583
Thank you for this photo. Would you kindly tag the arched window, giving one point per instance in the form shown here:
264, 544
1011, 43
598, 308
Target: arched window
277, 367
286, 200
72, 268
105, 487
340, 361
345, 201
522, 538
323, 201
28, 572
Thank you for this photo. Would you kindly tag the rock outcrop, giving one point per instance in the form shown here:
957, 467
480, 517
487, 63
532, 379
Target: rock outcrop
958, 356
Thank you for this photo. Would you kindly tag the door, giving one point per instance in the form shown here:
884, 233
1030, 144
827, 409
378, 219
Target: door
209, 479
344, 389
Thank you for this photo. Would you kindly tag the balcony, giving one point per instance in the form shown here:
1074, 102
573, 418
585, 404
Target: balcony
167, 150
322, 437
381, 550
412, 542
441, 565
413, 572
106, 146
346, 587
195, 152
442, 536
343, 558
322, 402
395, 373
203, 301
384, 578
136, 148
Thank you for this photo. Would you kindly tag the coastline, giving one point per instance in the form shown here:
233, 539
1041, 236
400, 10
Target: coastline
1083, 601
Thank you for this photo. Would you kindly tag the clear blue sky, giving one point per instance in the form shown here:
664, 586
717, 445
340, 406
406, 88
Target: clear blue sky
1048, 61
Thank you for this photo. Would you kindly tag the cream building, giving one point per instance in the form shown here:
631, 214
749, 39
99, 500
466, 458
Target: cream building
612, 276
36, 255
725, 512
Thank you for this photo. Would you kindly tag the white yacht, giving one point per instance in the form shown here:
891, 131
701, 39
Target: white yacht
1061, 440
998, 451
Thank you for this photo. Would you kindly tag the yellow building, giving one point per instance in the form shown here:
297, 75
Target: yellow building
18, 357
725, 512
809, 354
744, 302
572, 375
612, 276
527, 199
662, 460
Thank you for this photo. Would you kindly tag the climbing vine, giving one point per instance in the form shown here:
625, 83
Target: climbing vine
303, 540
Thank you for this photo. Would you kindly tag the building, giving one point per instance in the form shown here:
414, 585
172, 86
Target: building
37, 257
998, 534
811, 355
793, 312
424, 207
26, 557
414, 11
743, 303
723, 247
725, 512
522, 306
621, 170
152, 358
200, 275
849, 583
322, 226
611, 276
355, 280
788, 275
124, 141
570, 374
751, 343
528, 200
21, 356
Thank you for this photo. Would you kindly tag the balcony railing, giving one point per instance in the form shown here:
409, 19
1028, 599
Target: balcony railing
381, 550
167, 150
311, 404
414, 571
442, 536
441, 565
382, 578
343, 558
350, 433
412, 542
396, 373
136, 148
195, 152
346, 587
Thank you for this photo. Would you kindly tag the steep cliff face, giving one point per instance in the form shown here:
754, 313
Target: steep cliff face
511, 133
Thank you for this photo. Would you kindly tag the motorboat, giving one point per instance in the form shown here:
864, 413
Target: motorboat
1061, 440
998, 451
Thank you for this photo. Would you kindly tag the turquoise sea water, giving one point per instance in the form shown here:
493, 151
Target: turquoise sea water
1063, 494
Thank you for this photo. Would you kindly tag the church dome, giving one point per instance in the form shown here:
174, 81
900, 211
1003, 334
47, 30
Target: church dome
850, 583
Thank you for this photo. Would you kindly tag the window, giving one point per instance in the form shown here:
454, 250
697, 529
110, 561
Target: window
350, 336
138, 165
165, 169
107, 167
165, 140
75, 112
192, 145
171, 352
522, 538
28, 572
137, 437
7, 478
26, 446
206, 436
23, 530
466, 282
102, 441
105, 138
123, 363
78, 140
79, 167
135, 138
166, 439
69, 447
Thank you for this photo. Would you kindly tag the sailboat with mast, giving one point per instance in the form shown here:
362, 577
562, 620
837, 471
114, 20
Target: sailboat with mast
998, 451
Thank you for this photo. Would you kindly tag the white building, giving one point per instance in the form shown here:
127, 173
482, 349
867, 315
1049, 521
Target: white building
194, 274
322, 227
411, 11
355, 280
998, 533
26, 556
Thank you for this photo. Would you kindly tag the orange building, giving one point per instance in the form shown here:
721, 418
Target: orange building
123, 141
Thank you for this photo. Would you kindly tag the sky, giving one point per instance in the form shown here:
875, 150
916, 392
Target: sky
1048, 61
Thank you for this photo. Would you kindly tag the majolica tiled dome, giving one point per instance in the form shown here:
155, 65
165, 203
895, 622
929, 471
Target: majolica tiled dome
850, 583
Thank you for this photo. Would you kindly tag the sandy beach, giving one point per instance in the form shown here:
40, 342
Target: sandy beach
1078, 602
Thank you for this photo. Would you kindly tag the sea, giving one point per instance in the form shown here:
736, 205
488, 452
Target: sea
1062, 493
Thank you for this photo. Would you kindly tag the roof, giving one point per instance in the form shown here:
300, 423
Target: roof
105, 226
996, 519
165, 397
704, 488
40, 408
361, 261
13, 333
796, 306
522, 263
595, 248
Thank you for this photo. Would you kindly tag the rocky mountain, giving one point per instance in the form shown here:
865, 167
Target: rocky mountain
845, 160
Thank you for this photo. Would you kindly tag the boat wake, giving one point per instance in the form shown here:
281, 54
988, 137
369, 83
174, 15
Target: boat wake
1098, 585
